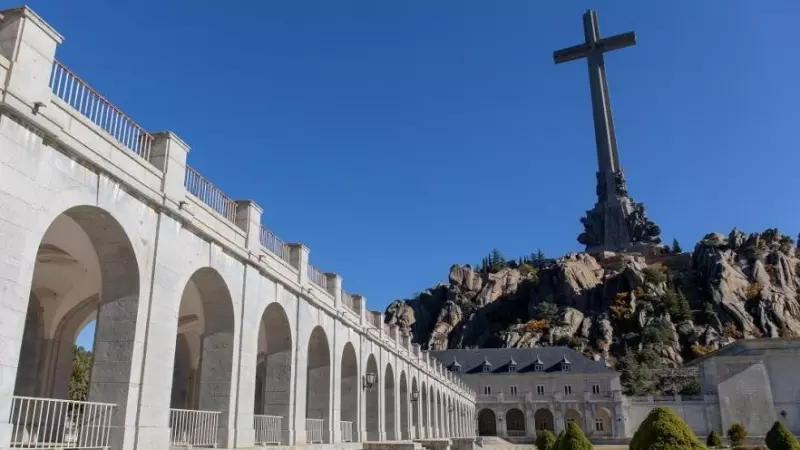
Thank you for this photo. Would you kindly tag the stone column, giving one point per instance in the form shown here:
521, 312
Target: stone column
168, 153
252, 305
298, 256
30, 45
248, 218
335, 413
335, 288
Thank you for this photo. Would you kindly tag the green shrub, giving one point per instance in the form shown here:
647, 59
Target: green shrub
664, 430
574, 439
780, 438
737, 434
559, 440
545, 440
714, 439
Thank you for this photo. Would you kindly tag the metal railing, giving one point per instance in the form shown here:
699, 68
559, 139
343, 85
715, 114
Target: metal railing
317, 277
314, 429
515, 433
45, 423
193, 428
275, 245
268, 429
209, 194
90, 104
347, 431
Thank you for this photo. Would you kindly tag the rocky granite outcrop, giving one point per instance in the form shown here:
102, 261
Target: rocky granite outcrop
671, 306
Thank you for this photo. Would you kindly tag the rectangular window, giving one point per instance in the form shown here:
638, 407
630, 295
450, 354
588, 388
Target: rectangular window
567, 389
595, 389
598, 424
540, 389
513, 390
487, 390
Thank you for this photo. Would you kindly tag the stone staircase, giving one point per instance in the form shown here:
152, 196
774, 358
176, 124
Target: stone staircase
498, 443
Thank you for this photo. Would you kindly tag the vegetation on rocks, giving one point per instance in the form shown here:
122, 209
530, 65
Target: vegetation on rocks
664, 430
644, 314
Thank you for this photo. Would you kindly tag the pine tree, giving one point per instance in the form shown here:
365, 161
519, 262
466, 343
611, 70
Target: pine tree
81, 369
676, 247
714, 440
780, 438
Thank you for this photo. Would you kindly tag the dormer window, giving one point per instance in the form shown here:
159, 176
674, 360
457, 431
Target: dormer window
487, 366
538, 365
455, 367
512, 365
566, 366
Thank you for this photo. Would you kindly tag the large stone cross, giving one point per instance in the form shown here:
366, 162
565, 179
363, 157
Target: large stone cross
593, 49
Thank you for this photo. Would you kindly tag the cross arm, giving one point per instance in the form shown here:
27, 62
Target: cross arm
617, 42
571, 53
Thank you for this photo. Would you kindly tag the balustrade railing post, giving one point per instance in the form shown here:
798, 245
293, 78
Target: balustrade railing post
248, 218
168, 153
335, 288
360, 305
298, 258
29, 43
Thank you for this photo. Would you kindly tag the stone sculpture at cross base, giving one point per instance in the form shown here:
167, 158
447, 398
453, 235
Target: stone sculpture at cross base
616, 223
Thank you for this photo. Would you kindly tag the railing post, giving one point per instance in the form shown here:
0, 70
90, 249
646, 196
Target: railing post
360, 305
335, 288
29, 43
168, 153
298, 258
248, 218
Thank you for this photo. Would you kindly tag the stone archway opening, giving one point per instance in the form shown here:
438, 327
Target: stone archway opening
440, 426
349, 395
318, 388
389, 402
434, 431
405, 432
373, 425
543, 420
573, 416
273, 385
603, 423
85, 270
203, 362
487, 423
415, 426
515, 423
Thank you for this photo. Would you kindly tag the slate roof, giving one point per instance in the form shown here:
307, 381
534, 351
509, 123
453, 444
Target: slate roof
473, 360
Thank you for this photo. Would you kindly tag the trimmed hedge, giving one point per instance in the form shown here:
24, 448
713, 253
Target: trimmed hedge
664, 430
574, 439
559, 440
780, 438
545, 440
714, 439
737, 434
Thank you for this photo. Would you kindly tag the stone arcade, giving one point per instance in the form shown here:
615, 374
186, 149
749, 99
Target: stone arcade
210, 331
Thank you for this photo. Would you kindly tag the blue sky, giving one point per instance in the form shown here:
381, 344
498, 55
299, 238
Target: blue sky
395, 138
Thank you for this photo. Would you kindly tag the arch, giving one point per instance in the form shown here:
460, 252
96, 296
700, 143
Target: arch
423, 397
602, 423
318, 386
84, 252
515, 423
543, 419
389, 402
487, 423
572, 416
373, 415
349, 393
405, 432
273, 380
417, 432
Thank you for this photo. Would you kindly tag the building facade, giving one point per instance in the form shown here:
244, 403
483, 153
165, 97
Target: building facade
209, 330
524, 390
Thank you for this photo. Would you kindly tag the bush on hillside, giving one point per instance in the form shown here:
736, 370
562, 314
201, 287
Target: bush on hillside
780, 438
545, 440
714, 439
737, 434
664, 430
574, 439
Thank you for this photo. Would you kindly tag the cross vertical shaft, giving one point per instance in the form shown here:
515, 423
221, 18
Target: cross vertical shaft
593, 49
